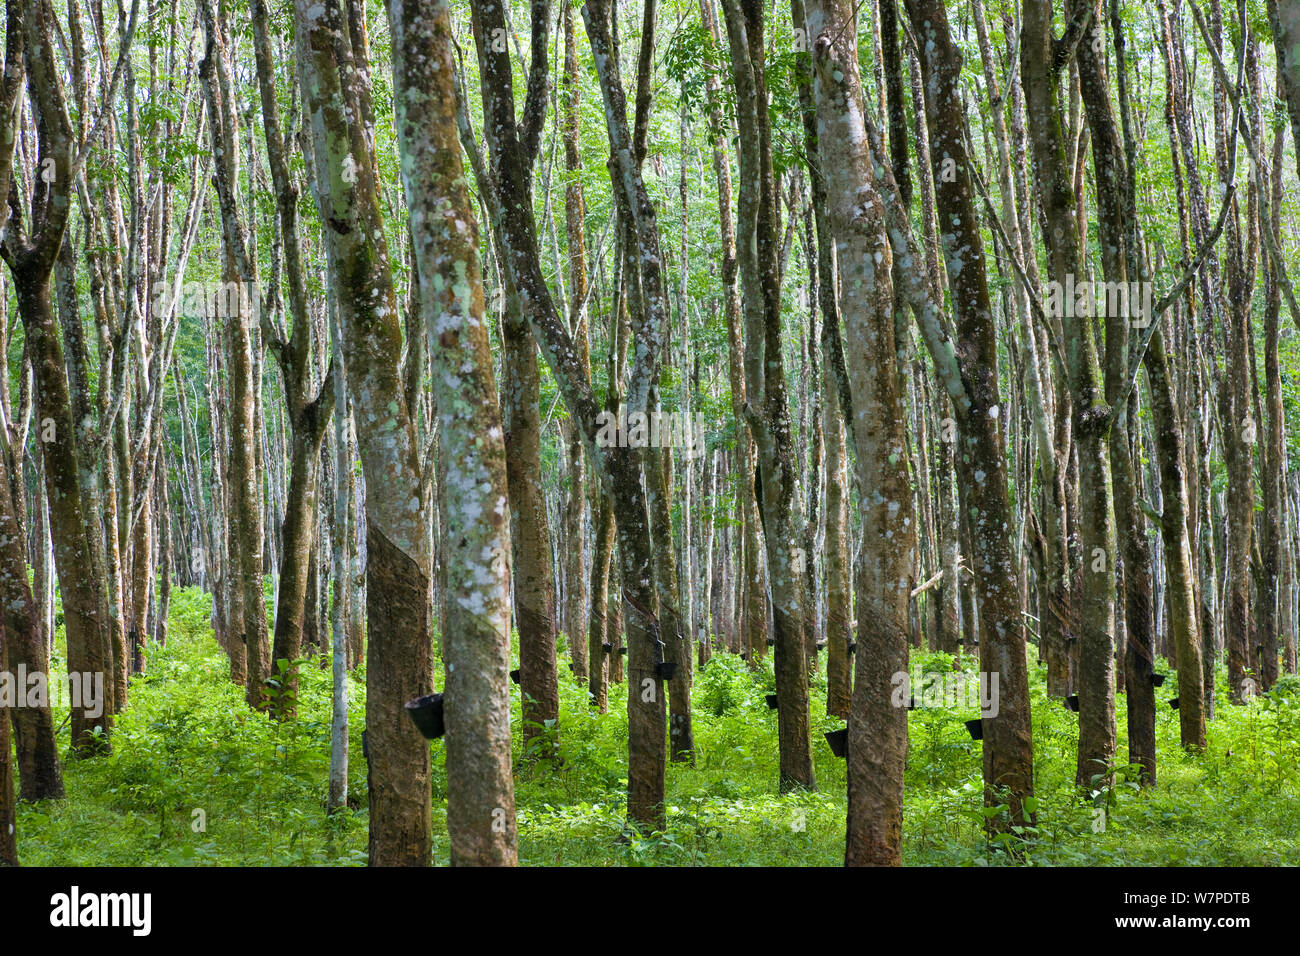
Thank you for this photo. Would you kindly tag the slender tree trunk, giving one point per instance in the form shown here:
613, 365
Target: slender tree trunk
308, 413
599, 659
575, 212
970, 374
39, 774
766, 404
839, 596
877, 733
399, 667
8, 807
1112, 183
239, 273
142, 560
837, 566
165, 552
532, 564
681, 738
338, 794
533, 573
753, 604
1055, 179
1273, 464
81, 604
88, 479
295, 567
1284, 16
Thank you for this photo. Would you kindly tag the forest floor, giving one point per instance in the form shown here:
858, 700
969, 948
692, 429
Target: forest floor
196, 778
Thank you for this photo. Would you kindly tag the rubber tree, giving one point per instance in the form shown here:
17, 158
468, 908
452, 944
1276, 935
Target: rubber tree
766, 409
1110, 173
877, 732
30, 249
476, 631
1043, 57
835, 405
619, 468
968, 369
11, 550
753, 600
532, 568
8, 806
1284, 17
308, 403
334, 72
239, 271
40, 775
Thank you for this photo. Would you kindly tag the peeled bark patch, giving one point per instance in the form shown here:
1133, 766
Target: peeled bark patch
398, 660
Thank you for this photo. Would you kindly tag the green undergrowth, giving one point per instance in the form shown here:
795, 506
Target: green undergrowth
196, 778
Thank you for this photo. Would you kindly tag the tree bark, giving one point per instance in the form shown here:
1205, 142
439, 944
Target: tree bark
753, 603
1285, 20
308, 408
39, 774
1042, 58
877, 732
476, 634
8, 808
335, 77
1112, 183
982, 468
240, 273
766, 403
575, 213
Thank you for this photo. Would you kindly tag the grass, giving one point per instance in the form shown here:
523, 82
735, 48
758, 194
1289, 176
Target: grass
198, 778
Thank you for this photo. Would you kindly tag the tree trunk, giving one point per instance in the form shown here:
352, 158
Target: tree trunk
766, 404
982, 468
308, 413
1284, 16
1054, 177
39, 774
239, 273
8, 808
1112, 183
753, 604
338, 793
575, 213
399, 666
81, 603
877, 733
1273, 464
599, 659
